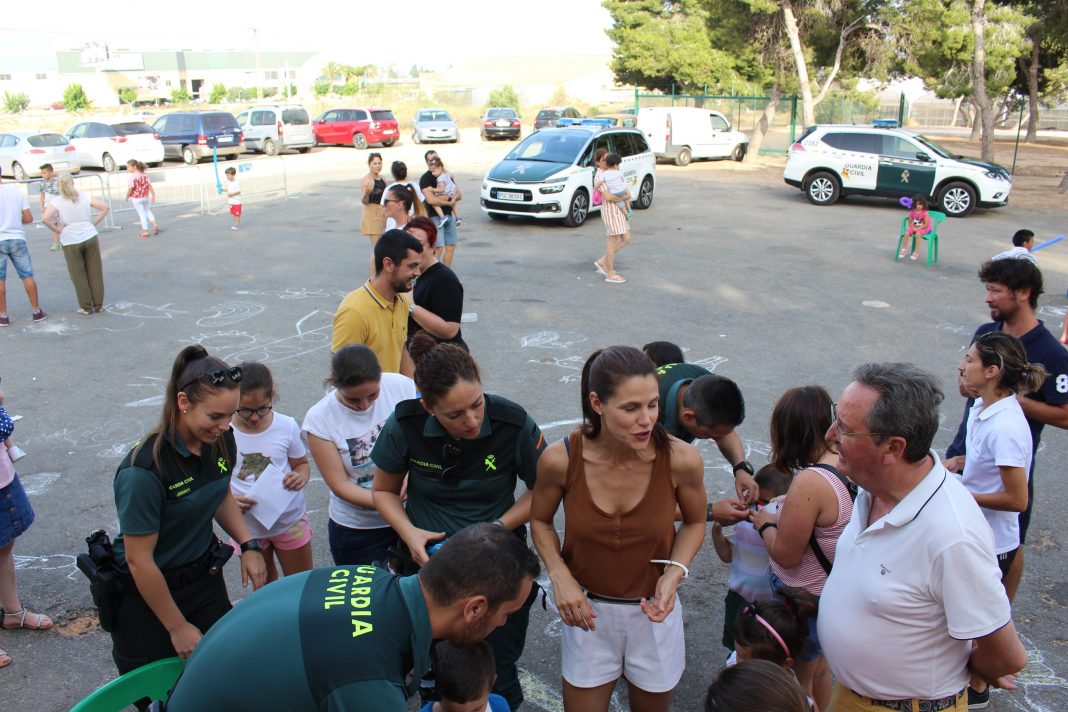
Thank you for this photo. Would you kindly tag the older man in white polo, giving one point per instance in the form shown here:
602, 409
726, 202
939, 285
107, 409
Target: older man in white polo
914, 604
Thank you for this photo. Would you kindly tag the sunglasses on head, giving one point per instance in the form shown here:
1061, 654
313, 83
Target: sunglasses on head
451, 454
217, 377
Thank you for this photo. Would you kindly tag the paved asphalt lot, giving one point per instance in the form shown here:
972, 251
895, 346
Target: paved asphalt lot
742, 272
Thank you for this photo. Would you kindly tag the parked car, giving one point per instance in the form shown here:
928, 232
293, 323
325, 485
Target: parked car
193, 135
625, 120
829, 161
500, 122
434, 125
548, 117
683, 133
550, 173
359, 127
23, 152
111, 145
269, 129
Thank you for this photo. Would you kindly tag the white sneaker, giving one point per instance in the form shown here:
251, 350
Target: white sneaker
16, 453
234, 227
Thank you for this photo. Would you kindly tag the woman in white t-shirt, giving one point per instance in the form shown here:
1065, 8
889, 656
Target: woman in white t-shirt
340, 431
270, 443
68, 215
999, 439
394, 217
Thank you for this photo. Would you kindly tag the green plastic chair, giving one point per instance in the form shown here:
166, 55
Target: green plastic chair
937, 219
154, 681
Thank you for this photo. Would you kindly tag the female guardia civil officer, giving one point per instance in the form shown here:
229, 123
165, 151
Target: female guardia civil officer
462, 451
168, 490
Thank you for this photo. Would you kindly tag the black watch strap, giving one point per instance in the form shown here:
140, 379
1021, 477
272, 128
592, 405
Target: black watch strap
743, 465
252, 545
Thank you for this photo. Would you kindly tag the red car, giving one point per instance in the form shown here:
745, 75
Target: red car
359, 127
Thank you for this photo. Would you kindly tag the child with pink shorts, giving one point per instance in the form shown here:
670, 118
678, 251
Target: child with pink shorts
267, 438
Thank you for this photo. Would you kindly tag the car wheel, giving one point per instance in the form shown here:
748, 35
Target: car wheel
358, 141
18, 171
579, 209
645, 194
498, 216
683, 158
108, 163
822, 188
304, 149
188, 155
415, 137
387, 144
270, 147
739, 152
957, 200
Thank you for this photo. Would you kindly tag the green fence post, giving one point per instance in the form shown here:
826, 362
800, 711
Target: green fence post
901, 111
793, 118
635, 101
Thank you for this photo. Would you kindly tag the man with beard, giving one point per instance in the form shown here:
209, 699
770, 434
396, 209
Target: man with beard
351, 637
375, 314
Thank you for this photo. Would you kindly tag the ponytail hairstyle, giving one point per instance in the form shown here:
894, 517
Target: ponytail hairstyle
776, 630
439, 367
188, 371
602, 374
996, 348
755, 686
66, 187
255, 376
406, 194
353, 365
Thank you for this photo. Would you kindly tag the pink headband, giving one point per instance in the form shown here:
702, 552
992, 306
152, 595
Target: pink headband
750, 610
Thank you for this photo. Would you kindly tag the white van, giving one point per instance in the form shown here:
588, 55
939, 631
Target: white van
269, 129
683, 133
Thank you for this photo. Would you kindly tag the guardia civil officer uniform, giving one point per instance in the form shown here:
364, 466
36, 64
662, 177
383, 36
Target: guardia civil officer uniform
340, 638
479, 488
672, 377
177, 502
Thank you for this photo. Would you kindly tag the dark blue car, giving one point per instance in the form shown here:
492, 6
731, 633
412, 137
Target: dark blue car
193, 135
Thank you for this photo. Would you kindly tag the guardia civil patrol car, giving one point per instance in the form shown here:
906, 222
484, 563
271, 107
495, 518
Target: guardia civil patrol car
831, 161
550, 173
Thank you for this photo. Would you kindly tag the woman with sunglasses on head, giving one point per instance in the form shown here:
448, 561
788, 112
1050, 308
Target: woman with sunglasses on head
168, 490
400, 203
437, 299
341, 429
462, 451
801, 539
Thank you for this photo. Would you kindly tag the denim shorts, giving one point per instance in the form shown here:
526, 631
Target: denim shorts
16, 516
447, 232
20, 256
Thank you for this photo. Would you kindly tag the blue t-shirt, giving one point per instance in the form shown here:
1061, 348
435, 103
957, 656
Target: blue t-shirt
496, 704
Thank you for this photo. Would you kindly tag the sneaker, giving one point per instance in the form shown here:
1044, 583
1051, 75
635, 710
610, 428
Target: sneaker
978, 700
16, 453
55, 247
234, 227
40, 315
459, 222
5, 321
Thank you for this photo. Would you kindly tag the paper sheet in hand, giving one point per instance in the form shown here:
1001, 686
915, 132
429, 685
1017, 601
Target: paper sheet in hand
271, 497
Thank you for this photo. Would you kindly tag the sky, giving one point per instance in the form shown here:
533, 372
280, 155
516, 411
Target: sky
403, 34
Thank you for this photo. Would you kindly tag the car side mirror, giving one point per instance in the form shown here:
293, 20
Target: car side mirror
921, 156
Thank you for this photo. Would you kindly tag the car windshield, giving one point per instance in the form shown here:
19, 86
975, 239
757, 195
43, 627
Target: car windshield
554, 147
132, 129
434, 116
501, 114
382, 116
935, 147
47, 140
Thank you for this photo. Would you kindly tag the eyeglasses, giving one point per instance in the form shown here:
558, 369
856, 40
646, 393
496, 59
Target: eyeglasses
217, 377
837, 425
247, 413
451, 454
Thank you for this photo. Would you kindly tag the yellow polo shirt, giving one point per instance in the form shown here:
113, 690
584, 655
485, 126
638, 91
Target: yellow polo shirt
366, 317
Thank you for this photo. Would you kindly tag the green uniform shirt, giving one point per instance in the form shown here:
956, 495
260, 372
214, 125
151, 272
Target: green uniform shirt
177, 502
507, 448
674, 376
341, 638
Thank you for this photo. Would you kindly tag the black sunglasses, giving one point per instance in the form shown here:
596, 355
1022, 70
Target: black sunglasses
451, 454
217, 377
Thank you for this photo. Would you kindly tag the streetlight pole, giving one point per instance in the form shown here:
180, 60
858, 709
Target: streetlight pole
259, 68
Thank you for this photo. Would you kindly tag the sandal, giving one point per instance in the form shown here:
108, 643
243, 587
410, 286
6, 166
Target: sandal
144, 234
600, 270
615, 279
155, 229
43, 621
5, 659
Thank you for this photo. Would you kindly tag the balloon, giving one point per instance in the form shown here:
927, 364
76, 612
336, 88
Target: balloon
906, 202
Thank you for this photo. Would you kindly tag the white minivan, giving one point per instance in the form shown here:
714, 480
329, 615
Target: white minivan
269, 129
683, 133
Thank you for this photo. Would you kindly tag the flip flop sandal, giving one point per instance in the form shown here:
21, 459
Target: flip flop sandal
615, 279
143, 235
42, 620
600, 269
5, 659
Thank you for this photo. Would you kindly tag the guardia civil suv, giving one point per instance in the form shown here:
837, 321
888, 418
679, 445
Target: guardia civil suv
831, 161
549, 174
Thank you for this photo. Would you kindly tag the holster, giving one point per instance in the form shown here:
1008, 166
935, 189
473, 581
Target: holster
106, 582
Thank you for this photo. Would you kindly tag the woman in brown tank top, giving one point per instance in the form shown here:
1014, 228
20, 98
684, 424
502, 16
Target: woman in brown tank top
614, 580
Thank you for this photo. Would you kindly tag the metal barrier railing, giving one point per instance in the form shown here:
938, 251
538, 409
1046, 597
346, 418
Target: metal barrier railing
266, 176
97, 188
174, 187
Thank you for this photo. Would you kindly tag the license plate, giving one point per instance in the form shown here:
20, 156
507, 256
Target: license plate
389, 132
503, 124
507, 195
224, 139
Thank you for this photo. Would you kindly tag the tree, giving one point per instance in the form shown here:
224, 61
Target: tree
74, 98
218, 93
1047, 33
321, 88
503, 97
559, 97
180, 95
15, 103
127, 95
331, 71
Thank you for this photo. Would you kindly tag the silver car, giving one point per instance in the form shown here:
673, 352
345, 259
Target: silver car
434, 125
22, 153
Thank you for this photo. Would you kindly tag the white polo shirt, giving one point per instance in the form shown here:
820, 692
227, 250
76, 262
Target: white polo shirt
997, 436
909, 593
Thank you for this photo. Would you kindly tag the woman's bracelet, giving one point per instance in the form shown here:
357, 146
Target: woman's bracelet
672, 562
760, 531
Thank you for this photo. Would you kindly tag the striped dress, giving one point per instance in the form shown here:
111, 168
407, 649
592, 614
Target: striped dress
615, 219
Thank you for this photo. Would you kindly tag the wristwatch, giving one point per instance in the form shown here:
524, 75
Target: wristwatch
743, 465
252, 545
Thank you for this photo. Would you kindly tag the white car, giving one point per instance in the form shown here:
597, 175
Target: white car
22, 153
827, 162
111, 145
683, 134
550, 173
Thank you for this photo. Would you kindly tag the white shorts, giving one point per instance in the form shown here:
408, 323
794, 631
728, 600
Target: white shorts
626, 644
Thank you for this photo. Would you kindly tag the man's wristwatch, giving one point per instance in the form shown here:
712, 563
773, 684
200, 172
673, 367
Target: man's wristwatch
252, 545
743, 465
